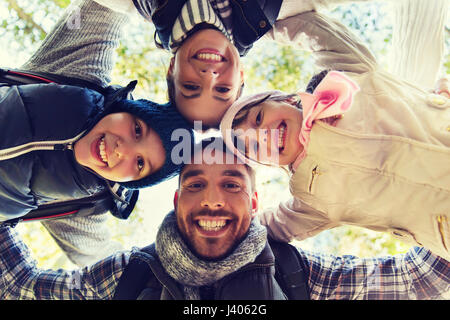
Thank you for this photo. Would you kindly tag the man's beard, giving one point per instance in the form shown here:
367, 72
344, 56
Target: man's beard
212, 213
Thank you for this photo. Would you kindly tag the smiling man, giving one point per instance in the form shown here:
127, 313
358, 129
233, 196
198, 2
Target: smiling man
215, 205
212, 247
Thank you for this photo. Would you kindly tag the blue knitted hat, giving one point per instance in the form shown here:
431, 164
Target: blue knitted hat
164, 119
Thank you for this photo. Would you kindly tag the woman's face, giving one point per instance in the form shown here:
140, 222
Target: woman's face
207, 75
271, 132
121, 148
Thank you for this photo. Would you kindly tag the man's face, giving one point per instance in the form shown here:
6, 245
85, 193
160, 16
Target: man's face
214, 207
207, 75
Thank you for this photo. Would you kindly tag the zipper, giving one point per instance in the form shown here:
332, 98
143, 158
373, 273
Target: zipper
59, 145
315, 172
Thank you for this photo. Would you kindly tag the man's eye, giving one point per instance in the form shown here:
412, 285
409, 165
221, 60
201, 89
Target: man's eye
195, 186
191, 87
231, 186
222, 89
140, 164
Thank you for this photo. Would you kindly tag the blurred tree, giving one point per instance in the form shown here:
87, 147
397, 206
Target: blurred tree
24, 23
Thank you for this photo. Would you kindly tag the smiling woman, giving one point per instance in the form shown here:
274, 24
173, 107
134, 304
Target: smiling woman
207, 75
207, 39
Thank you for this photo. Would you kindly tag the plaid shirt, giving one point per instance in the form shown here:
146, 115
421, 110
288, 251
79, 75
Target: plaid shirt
415, 275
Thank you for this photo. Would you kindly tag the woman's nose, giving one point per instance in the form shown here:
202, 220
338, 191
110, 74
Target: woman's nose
209, 73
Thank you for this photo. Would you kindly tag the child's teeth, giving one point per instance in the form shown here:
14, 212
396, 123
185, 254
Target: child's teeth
280, 137
102, 150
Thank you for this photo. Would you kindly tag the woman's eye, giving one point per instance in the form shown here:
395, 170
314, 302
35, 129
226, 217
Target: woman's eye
191, 87
222, 89
140, 163
137, 129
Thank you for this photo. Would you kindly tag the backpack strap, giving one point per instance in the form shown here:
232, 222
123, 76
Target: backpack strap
136, 279
289, 271
144, 279
92, 205
20, 77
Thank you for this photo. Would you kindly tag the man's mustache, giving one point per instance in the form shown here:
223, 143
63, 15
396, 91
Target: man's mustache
214, 213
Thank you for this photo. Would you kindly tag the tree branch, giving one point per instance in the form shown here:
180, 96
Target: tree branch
25, 16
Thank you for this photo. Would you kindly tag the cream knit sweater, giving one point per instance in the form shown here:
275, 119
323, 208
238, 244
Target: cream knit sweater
418, 34
419, 40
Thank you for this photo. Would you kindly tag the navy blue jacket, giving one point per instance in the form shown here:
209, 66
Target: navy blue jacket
145, 279
251, 19
45, 112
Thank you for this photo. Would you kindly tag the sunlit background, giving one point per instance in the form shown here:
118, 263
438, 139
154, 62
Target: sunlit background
268, 66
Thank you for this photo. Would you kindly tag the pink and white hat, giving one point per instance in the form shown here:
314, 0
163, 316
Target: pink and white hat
332, 97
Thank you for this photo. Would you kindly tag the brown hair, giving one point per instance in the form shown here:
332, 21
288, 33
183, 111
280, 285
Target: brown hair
219, 141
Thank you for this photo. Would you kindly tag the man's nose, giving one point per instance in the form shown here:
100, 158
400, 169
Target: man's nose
212, 199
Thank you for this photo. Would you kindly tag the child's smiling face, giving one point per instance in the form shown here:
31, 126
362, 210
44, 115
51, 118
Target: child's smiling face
276, 128
121, 148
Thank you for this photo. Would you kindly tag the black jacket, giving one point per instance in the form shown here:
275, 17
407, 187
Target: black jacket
45, 113
267, 278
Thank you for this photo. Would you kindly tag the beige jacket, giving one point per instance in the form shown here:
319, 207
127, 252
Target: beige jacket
384, 166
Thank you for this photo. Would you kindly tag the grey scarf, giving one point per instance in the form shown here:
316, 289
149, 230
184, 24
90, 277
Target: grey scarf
192, 272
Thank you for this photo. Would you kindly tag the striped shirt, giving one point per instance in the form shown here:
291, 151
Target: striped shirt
417, 274
195, 12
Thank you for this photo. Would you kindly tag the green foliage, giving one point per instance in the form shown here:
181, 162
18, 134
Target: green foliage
138, 58
279, 67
